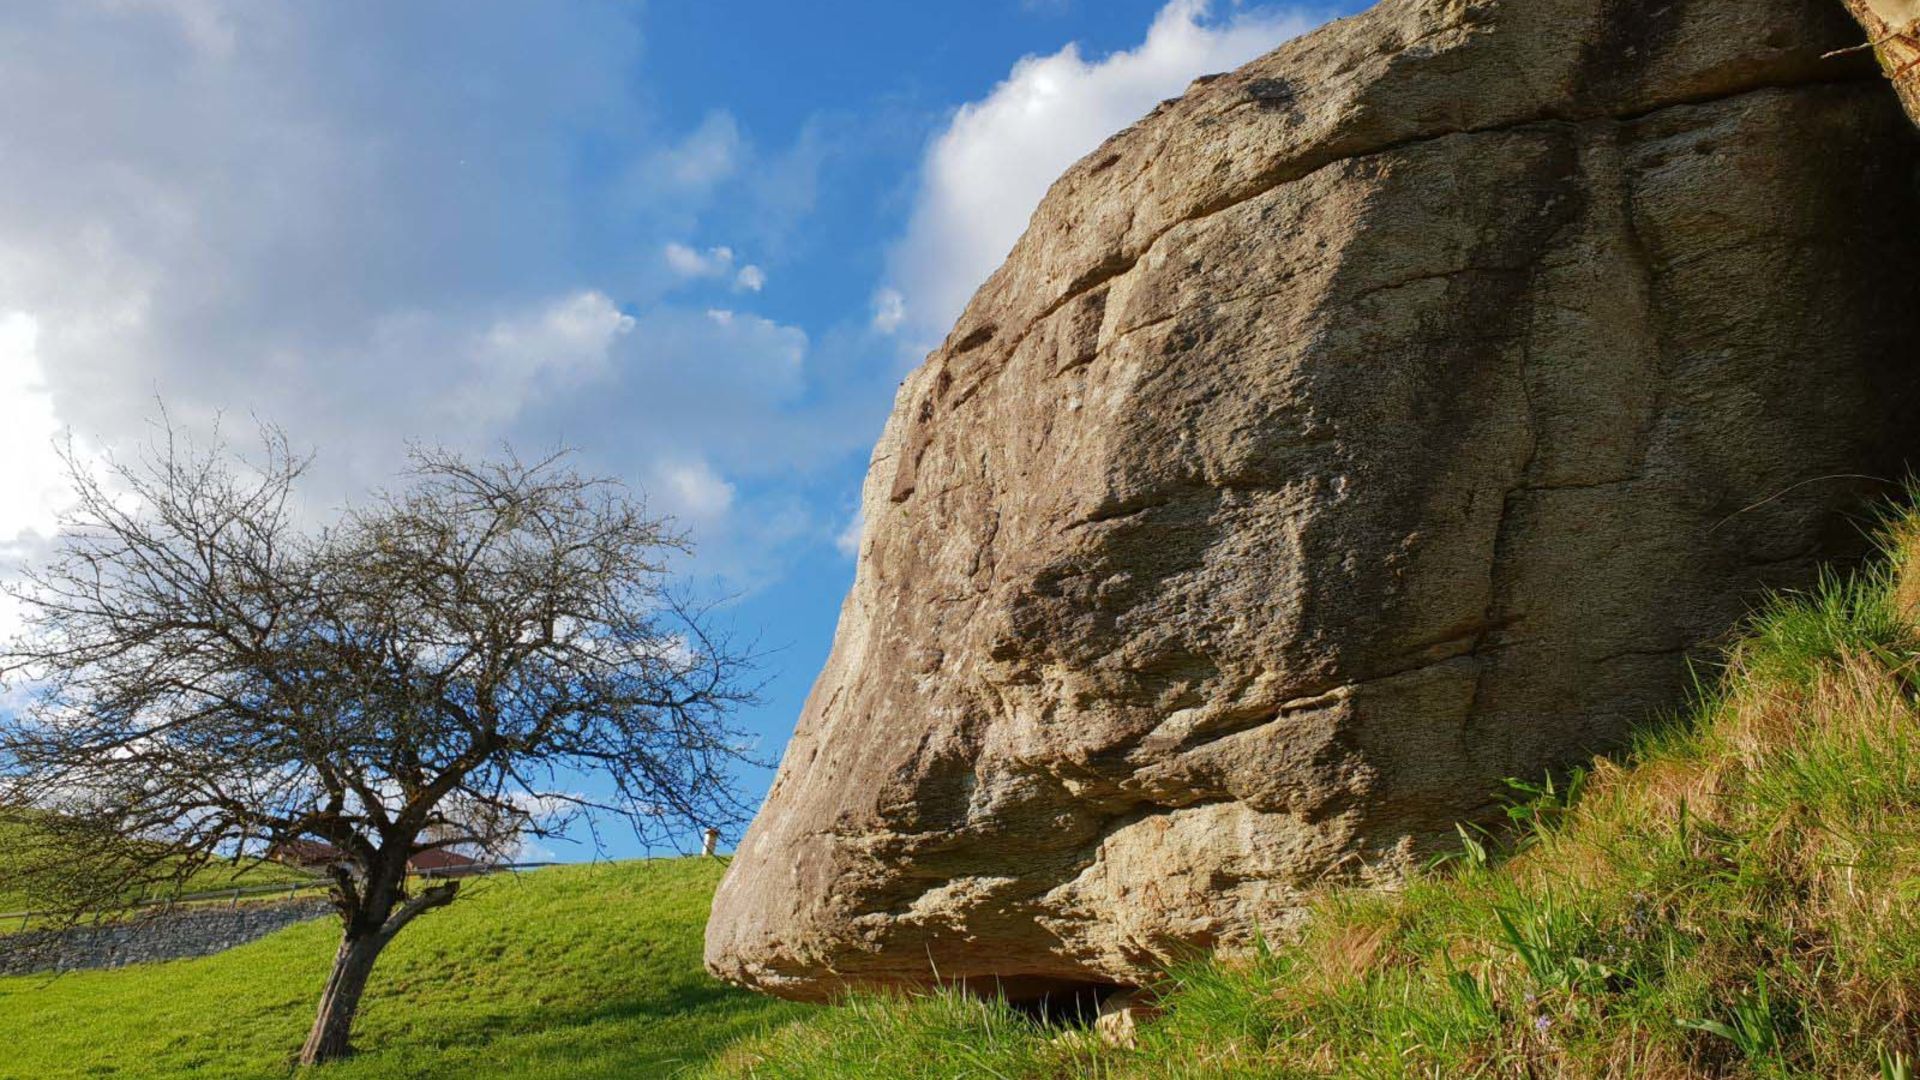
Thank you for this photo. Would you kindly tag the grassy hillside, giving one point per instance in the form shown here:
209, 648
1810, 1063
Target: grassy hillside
18, 836
1740, 897
590, 971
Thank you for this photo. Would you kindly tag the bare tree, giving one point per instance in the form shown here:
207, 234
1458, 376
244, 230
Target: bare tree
456, 664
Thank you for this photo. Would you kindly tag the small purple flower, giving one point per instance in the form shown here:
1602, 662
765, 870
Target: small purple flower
1541, 1024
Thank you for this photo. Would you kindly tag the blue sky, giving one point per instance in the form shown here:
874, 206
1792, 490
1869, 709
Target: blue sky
699, 241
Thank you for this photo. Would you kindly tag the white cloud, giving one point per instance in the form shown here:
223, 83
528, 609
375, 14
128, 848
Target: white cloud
34, 486
709, 154
889, 310
363, 222
692, 491
571, 335
848, 539
557, 347
688, 262
983, 176
733, 357
272, 210
201, 22
33, 483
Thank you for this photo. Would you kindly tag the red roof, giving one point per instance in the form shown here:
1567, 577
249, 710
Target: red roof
318, 853
440, 859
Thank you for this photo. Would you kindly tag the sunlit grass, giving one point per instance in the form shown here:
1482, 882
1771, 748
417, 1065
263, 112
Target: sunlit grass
24, 910
569, 972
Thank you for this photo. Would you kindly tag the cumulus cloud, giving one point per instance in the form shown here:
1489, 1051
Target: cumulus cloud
33, 483
730, 369
570, 335
707, 155
985, 173
889, 310
848, 539
361, 222
687, 262
559, 346
692, 491
279, 218
203, 23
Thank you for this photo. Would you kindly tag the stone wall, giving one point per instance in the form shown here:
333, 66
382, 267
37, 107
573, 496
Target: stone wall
172, 935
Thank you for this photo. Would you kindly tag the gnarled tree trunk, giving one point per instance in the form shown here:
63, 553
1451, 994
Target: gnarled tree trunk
1893, 27
372, 917
333, 1026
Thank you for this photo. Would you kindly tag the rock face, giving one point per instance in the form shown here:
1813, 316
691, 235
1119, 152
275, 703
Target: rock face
1893, 32
1386, 418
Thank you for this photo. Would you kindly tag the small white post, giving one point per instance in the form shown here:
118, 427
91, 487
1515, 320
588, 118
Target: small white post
709, 842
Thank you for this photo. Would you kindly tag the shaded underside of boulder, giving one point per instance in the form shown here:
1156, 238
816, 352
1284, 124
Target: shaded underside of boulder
1393, 415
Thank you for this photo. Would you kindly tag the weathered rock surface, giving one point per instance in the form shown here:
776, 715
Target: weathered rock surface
1385, 418
1893, 33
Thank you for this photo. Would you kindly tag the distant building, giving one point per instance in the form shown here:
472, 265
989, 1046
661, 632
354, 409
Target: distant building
319, 855
439, 862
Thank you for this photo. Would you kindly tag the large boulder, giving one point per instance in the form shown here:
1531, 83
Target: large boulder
1391, 416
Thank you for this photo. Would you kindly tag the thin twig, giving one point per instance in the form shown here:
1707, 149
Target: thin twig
1784, 492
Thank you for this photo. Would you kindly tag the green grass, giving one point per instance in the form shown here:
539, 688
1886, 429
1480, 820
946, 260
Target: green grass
586, 971
17, 836
200, 888
1738, 897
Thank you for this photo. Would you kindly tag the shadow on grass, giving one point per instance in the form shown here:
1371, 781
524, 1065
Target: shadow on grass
660, 1031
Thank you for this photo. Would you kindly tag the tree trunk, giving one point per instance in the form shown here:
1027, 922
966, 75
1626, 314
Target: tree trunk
1893, 29
332, 1028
